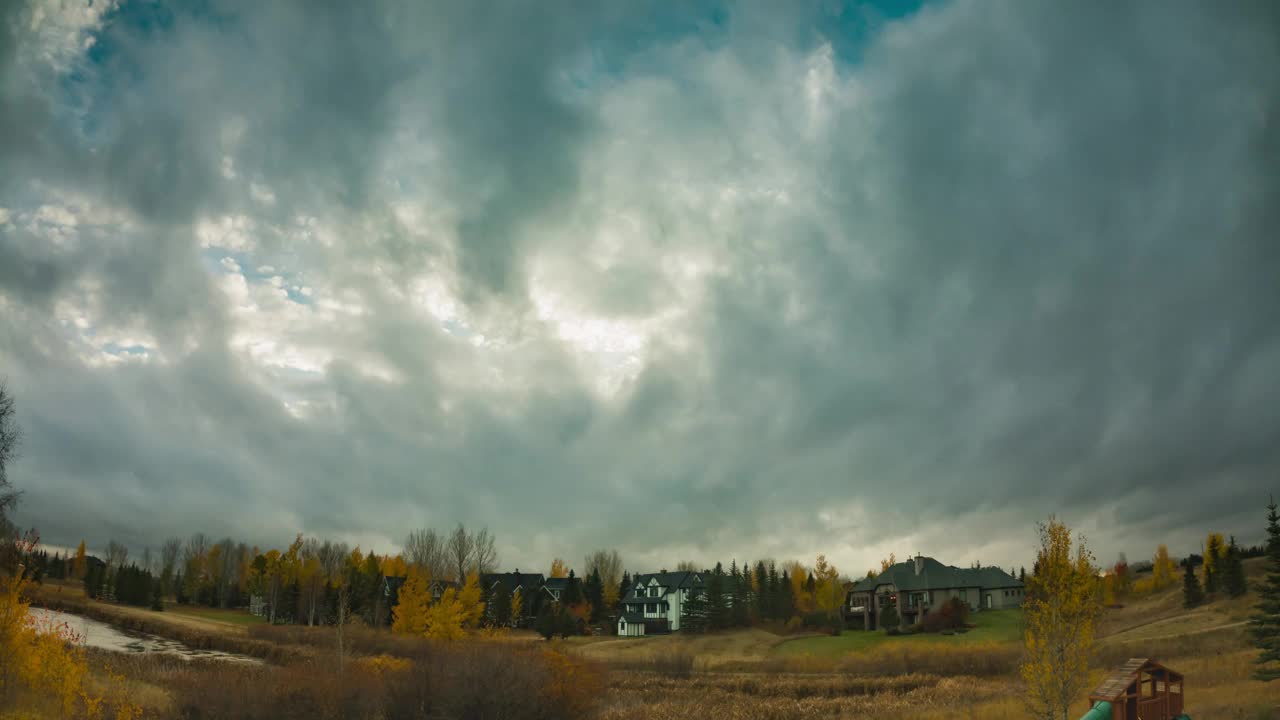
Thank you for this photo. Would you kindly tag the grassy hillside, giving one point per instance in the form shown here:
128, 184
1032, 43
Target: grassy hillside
999, 626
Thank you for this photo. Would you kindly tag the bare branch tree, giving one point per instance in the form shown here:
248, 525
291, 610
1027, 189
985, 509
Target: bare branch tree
197, 547
168, 561
333, 557
609, 564
460, 547
10, 437
425, 550
484, 556
117, 554
228, 573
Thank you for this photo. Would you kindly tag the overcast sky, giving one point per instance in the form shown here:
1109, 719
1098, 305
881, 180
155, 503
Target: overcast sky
695, 280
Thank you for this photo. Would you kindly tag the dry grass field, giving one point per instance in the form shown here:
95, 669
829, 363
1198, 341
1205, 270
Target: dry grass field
756, 675
748, 674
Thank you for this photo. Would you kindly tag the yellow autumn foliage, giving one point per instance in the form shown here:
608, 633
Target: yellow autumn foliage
383, 664
42, 658
1060, 613
1163, 571
450, 618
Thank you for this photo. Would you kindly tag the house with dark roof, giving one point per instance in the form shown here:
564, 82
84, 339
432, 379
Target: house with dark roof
529, 586
922, 585
655, 601
556, 587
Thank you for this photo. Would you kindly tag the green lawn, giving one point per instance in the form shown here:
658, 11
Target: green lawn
992, 626
238, 617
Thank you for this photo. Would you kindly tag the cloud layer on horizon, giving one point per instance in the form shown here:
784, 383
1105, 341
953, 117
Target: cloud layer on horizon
718, 281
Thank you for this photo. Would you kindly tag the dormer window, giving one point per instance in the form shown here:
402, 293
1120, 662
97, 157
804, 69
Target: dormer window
653, 592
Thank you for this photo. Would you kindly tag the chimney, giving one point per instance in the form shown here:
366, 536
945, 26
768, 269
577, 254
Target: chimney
919, 560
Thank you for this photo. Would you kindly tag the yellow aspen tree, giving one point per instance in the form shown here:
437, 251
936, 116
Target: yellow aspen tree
443, 618
1108, 590
1162, 568
828, 595
517, 606
409, 616
395, 566
81, 564
471, 602
1059, 612
214, 565
558, 569
1215, 555
888, 562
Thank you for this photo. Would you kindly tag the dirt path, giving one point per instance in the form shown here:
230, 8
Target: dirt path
717, 648
1197, 631
179, 619
55, 596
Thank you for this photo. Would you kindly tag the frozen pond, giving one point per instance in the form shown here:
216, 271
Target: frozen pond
95, 634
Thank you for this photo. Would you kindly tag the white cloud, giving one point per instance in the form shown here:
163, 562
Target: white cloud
229, 232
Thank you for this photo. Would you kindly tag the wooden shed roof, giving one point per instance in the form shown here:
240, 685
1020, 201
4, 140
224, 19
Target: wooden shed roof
1116, 685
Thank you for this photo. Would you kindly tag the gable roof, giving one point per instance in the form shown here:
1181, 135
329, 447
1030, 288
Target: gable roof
556, 583
1116, 685
513, 580
934, 575
670, 580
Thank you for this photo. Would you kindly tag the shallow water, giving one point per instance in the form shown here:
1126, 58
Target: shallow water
96, 634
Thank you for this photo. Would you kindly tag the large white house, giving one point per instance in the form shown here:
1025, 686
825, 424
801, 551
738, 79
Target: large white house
655, 601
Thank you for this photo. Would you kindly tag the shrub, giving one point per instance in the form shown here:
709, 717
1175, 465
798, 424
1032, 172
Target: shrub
836, 625
822, 620
793, 624
951, 616
889, 619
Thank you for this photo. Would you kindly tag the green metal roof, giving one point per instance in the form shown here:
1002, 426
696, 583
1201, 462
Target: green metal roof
936, 576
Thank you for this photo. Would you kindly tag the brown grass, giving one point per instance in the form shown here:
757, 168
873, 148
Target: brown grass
736, 696
475, 680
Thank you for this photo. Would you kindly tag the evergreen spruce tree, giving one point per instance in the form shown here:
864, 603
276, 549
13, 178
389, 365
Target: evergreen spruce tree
717, 607
572, 590
1212, 565
763, 606
593, 589
374, 602
1234, 580
693, 614
548, 624
775, 585
784, 601
744, 602
157, 602
1022, 574
624, 588
1192, 595
1265, 623
499, 607
889, 620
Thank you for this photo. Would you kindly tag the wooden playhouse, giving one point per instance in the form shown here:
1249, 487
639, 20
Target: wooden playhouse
1140, 689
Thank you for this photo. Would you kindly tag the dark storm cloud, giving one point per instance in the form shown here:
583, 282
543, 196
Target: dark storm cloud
1026, 263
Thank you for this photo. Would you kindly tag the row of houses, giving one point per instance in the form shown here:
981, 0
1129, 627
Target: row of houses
655, 602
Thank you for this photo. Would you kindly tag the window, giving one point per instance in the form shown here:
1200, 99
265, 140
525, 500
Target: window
651, 607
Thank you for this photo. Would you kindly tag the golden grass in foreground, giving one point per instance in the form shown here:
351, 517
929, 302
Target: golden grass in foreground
735, 696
